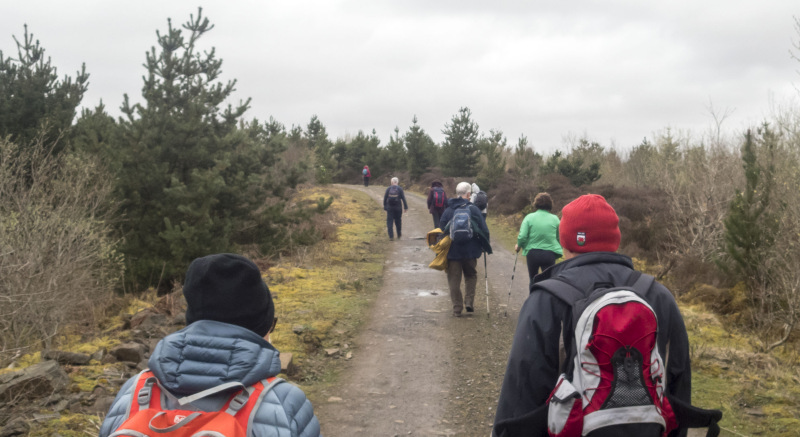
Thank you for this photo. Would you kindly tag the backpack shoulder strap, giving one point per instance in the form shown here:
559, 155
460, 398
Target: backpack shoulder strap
640, 283
145, 389
254, 400
563, 290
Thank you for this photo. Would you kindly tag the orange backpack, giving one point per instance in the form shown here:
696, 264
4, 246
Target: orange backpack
148, 417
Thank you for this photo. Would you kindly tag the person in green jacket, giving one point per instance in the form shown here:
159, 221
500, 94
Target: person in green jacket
538, 236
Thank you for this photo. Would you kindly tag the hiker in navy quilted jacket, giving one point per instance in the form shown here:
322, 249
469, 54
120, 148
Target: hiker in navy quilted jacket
230, 315
462, 257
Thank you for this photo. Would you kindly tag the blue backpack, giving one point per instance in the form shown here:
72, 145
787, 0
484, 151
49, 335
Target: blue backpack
461, 225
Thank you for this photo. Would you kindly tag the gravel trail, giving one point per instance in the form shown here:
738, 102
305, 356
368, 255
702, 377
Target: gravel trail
417, 370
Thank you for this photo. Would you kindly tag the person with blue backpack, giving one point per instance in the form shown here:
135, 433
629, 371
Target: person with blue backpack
366, 174
437, 201
394, 202
470, 238
218, 375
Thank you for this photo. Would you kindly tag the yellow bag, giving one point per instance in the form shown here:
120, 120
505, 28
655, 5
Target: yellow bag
441, 247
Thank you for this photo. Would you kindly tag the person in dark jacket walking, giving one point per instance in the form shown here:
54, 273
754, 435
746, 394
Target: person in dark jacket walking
230, 315
462, 257
589, 235
394, 202
366, 173
437, 201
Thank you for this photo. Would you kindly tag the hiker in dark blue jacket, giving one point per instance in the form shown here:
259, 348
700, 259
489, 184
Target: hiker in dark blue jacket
394, 202
462, 258
230, 316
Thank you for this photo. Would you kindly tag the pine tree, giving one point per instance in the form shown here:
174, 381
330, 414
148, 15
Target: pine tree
493, 148
395, 153
420, 149
751, 225
190, 180
526, 161
95, 132
573, 168
459, 152
352, 154
317, 136
33, 101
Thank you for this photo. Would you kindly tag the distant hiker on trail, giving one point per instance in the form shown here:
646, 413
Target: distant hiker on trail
614, 381
466, 228
538, 236
223, 351
480, 199
365, 172
437, 201
394, 202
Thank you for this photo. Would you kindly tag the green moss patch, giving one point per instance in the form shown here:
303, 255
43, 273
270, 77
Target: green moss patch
322, 294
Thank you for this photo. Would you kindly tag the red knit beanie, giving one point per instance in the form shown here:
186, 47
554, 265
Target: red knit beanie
589, 224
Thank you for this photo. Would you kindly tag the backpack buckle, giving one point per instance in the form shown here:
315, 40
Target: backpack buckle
146, 392
238, 402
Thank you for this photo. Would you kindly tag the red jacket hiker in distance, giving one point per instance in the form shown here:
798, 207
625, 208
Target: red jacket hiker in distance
366, 173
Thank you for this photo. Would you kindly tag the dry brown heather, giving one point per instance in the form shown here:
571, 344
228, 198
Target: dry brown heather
322, 292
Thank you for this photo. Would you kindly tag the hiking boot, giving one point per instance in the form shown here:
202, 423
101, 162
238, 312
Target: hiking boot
470, 309
391, 238
456, 314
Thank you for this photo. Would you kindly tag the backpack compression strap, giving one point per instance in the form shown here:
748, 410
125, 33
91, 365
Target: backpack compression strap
145, 389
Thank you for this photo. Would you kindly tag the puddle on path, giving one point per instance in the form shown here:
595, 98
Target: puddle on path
409, 267
424, 293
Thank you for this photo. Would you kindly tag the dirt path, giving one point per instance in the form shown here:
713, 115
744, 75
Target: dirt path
416, 370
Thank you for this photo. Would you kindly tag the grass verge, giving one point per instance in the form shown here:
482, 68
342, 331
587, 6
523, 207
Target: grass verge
323, 293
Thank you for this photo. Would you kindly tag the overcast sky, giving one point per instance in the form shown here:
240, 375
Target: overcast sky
614, 71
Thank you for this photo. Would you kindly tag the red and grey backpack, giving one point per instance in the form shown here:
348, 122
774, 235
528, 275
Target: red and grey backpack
438, 197
618, 375
147, 415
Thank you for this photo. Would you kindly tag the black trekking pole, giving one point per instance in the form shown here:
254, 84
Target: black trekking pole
486, 276
514, 270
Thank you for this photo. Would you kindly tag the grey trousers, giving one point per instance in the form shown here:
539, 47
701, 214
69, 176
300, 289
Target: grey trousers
456, 269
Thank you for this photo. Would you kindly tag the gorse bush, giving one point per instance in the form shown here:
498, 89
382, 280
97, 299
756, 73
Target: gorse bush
58, 258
